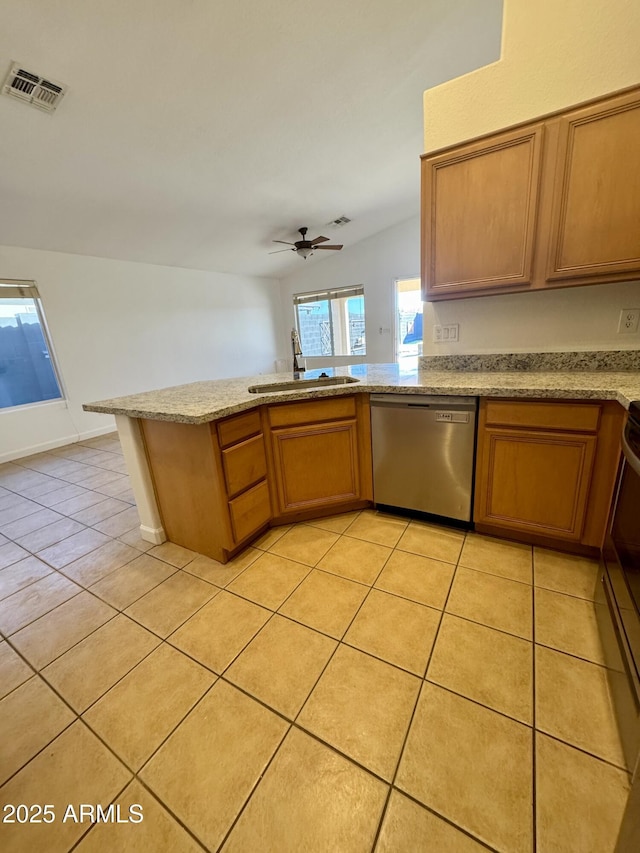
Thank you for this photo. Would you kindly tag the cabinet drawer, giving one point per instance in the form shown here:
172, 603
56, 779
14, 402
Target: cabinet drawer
250, 511
312, 411
244, 464
238, 427
561, 416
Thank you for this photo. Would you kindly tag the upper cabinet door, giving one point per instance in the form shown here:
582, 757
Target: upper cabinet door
595, 227
479, 214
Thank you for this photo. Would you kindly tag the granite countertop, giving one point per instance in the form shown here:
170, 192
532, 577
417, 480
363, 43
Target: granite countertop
200, 402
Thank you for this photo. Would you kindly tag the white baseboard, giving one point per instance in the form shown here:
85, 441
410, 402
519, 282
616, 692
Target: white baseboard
74, 438
153, 534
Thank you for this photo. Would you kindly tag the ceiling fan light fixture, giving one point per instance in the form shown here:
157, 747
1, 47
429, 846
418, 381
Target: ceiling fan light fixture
305, 247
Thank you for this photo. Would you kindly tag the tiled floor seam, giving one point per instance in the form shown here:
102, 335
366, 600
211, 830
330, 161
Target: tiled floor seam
151, 793
251, 792
573, 656
83, 588
27, 624
415, 706
51, 544
57, 657
134, 772
184, 622
79, 717
41, 750
95, 594
88, 588
585, 752
562, 592
37, 674
446, 820
104, 693
492, 627
506, 716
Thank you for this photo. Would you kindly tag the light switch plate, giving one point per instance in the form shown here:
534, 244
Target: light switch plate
446, 334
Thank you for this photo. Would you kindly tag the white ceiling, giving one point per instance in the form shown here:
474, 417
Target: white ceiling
195, 132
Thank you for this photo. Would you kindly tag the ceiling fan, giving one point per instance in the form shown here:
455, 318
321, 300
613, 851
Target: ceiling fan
305, 247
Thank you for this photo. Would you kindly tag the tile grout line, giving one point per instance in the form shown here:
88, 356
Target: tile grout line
393, 786
293, 723
339, 642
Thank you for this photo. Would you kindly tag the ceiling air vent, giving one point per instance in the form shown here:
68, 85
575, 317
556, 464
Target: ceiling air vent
38, 91
339, 222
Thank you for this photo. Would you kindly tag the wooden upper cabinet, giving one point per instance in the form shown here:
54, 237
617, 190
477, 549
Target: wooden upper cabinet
595, 227
479, 207
551, 203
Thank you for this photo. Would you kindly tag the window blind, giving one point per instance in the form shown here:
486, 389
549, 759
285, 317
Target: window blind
338, 293
14, 289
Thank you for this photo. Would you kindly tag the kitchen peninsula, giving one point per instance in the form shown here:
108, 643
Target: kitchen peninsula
213, 465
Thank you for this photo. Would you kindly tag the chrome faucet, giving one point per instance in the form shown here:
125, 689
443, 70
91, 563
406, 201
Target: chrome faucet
297, 350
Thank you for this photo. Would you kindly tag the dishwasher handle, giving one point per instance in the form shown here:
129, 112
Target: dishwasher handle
426, 401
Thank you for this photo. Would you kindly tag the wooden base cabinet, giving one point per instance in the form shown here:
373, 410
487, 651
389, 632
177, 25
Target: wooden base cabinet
320, 455
546, 471
210, 482
218, 485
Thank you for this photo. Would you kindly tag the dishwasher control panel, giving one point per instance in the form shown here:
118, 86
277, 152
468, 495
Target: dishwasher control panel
453, 417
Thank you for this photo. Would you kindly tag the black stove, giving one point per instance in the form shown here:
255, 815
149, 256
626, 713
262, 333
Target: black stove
621, 588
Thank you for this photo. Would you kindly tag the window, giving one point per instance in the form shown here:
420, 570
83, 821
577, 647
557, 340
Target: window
408, 318
27, 371
331, 322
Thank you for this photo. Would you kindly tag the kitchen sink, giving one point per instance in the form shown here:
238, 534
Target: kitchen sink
293, 384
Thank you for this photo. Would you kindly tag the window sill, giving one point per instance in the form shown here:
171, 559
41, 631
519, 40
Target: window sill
49, 404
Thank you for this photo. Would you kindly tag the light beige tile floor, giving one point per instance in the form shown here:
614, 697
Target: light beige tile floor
361, 682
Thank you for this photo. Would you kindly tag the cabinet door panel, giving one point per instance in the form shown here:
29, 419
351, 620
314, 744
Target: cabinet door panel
479, 214
536, 482
595, 229
316, 466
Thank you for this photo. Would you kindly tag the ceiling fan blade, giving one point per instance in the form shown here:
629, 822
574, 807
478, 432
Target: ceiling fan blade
277, 251
319, 240
286, 242
328, 247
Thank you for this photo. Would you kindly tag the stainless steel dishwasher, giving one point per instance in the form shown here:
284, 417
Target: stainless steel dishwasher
423, 452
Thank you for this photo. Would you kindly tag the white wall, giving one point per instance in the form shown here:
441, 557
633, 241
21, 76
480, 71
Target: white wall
375, 262
578, 318
121, 327
571, 319
554, 55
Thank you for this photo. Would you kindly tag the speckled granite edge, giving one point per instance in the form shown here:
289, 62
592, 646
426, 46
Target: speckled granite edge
202, 402
613, 360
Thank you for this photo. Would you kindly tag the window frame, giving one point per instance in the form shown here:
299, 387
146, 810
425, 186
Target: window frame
13, 288
331, 294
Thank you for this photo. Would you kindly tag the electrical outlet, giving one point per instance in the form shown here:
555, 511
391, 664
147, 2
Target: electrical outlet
628, 323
